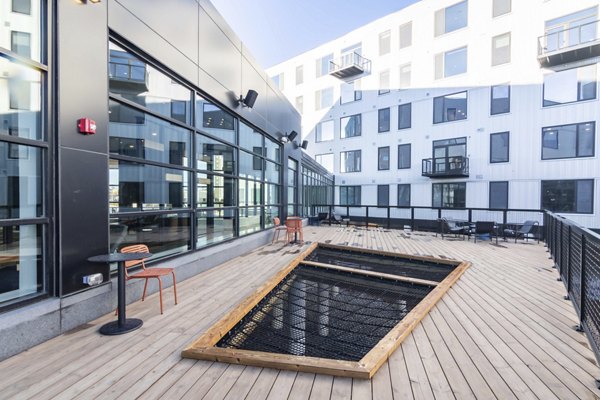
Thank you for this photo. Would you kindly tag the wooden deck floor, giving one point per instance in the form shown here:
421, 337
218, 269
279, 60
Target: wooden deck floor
502, 331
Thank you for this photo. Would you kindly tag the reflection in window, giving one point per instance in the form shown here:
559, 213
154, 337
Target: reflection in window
451, 18
326, 160
324, 131
214, 120
21, 6
385, 42
383, 120
349, 195
449, 195
404, 195
499, 195
404, 116
322, 65
214, 156
323, 98
251, 166
499, 147
501, 7
250, 193
569, 86
350, 126
500, 99
214, 191
451, 107
451, 63
21, 43
21, 181
140, 187
383, 195
214, 226
568, 196
21, 264
568, 141
384, 82
350, 92
143, 84
249, 220
250, 139
20, 115
350, 161
134, 133
383, 158
404, 156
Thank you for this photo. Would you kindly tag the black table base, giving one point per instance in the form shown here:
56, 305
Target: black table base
116, 328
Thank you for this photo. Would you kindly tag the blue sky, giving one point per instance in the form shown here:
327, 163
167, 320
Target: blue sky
276, 30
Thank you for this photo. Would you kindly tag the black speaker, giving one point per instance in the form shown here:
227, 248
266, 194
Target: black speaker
292, 135
250, 98
305, 144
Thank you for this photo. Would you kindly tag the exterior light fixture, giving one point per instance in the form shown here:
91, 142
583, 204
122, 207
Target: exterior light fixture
304, 144
249, 100
292, 135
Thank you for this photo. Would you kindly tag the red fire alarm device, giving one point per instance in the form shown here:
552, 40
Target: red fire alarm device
86, 126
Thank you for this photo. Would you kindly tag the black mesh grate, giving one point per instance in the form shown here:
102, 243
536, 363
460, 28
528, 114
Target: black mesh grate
327, 314
383, 264
592, 289
575, 266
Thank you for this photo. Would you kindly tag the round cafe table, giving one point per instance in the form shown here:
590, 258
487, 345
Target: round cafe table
122, 324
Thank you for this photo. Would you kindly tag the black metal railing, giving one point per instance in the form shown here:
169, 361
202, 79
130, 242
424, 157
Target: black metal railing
421, 218
445, 167
568, 38
576, 254
349, 64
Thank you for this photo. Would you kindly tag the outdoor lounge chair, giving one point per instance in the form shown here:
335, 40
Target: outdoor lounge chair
485, 228
447, 226
524, 231
147, 273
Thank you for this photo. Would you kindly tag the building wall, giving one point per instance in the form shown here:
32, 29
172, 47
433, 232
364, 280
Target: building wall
526, 118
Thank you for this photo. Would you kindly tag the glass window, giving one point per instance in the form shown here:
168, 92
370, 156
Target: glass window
501, 49
451, 18
323, 98
500, 99
272, 150
141, 187
249, 220
404, 156
22, 264
322, 67
451, 107
499, 147
384, 120
385, 42
214, 120
350, 161
449, 195
568, 196
406, 35
148, 137
350, 195
300, 104
251, 166
299, 74
383, 195
214, 226
21, 114
143, 84
404, 195
325, 131
571, 30
250, 193
164, 234
20, 43
350, 126
21, 6
404, 116
350, 92
21, 193
384, 82
501, 7
383, 158
326, 160
569, 86
272, 194
214, 191
405, 76
214, 156
279, 81
251, 139
450, 63
272, 172
499, 195
568, 141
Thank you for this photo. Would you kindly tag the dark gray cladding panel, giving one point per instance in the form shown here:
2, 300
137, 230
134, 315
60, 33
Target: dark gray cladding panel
124, 21
82, 81
84, 216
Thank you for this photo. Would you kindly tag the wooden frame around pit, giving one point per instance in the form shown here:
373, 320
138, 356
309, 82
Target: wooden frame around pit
204, 347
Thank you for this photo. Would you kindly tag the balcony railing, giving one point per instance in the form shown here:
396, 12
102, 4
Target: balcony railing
349, 65
445, 167
569, 45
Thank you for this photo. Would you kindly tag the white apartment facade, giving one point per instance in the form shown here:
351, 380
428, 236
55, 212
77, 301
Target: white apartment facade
446, 103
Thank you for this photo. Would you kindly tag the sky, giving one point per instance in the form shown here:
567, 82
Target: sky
277, 30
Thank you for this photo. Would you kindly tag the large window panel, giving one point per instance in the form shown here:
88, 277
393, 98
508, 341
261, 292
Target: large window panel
21, 188
568, 196
350, 126
405, 35
568, 141
572, 85
272, 172
214, 191
501, 49
251, 166
499, 147
404, 116
213, 226
350, 195
164, 234
135, 80
404, 195
152, 139
213, 120
451, 18
499, 195
250, 193
322, 65
383, 120
383, 158
250, 139
326, 160
450, 63
21, 114
141, 187
501, 7
272, 193
214, 156
500, 99
404, 160
350, 92
350, 161
383, 195
21, 6
21, 264
451, 107
385, 42
249, 220
272, 150
325, 131
449, 195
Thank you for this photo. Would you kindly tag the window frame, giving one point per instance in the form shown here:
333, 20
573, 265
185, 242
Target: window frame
319, 130
505, 195
495, 57
544, 105
385, 42
578, 126
380, 196
591, 211
409, 147
385, 126
344, 154
495, 15
357, 193
401, 106
443, 185
398, 194
443, 12
348, 117
492, 99
379, 158
443, 97
507, 133
402, 29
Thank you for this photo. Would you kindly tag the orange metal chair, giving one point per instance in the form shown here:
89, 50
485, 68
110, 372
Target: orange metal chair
278, 228
294, 226
147, 273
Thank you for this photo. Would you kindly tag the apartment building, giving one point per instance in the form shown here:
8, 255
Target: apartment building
454, 104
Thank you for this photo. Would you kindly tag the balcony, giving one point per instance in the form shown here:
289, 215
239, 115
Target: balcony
349, 65
569, 45
127, 73
446, 167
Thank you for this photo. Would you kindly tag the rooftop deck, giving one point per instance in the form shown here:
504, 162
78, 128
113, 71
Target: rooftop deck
502, 331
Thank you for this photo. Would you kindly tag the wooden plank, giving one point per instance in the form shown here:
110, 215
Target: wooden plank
372, 273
